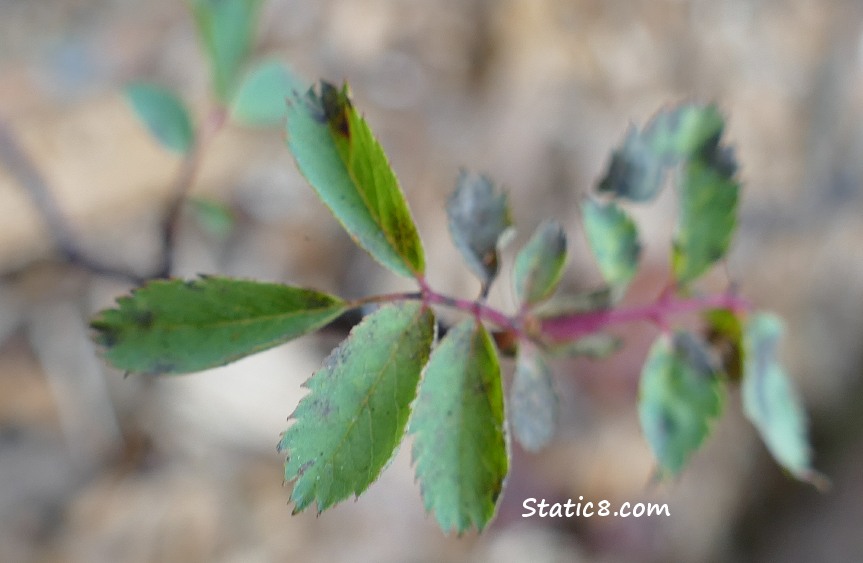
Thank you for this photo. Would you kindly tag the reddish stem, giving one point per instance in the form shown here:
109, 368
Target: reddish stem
569, 327
479, 310
572, 326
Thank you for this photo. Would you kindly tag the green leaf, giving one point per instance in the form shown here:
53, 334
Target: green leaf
680, 395
164, 115
479, 217
539, 264
176, 326
635, 171
684, 132
348, 426
460, 449
261, 100
705, 222
613, 239
769, 399
532, 400
336, 152
213, 217
227, 30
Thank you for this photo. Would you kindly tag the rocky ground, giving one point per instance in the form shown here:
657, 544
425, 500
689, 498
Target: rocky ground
97, 467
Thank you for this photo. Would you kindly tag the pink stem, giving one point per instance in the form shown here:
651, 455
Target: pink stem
479, 310
570, 327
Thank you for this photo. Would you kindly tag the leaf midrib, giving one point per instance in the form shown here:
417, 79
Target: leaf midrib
177, 326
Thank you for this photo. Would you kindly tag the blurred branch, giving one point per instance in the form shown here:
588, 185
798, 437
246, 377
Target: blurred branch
22, 168
24, 171
185, 178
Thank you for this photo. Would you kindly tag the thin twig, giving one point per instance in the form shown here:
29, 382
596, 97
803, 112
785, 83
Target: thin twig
185, 178
25, 172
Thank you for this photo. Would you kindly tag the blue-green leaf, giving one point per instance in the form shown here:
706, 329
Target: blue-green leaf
532, 400
348, 426
613, 238
635, 171
539, 264
164, 115
262, 98
227, 30
770, 401
680, 395
479, 217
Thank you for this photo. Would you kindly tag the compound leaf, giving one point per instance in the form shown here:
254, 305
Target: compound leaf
164, 115
680, 395
176, 326
613, 239
337, 153
706, 220
479, 217
539, 264
348, 426
260, 100
460, 448
532, 400
769, 399
226, 29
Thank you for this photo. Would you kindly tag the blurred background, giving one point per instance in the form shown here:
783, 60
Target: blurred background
98, 467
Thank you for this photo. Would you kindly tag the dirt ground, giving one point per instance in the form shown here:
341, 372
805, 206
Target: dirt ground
98, 467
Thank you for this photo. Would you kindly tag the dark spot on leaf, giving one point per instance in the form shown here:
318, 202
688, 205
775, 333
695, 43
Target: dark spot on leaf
107, 335
667, 424
495, 493
142, 318
335, 105
160, 367
305, 467
194, 285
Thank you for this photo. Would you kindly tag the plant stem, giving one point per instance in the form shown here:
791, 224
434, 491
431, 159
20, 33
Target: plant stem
23, 169
185, 178
572, 326
429, 296
479, 310
26, 173
569, 327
